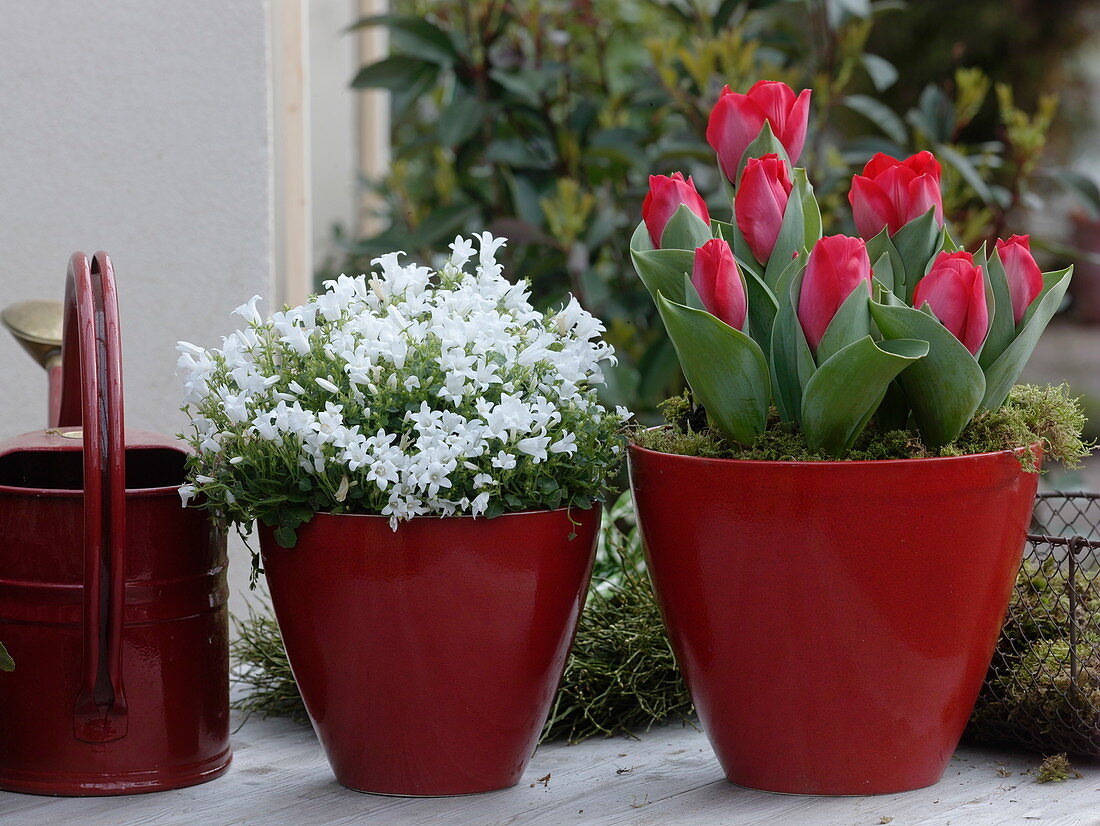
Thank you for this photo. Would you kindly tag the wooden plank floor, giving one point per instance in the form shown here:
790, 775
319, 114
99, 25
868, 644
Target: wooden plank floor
669, 776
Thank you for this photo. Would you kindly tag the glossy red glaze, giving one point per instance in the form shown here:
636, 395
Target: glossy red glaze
112, 596
428, 657
833, 620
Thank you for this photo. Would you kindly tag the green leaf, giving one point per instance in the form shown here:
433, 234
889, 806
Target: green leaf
851, 323
846, 390
414, 36
692, 298
663, 271
792, 232
286, 536
882, 270
731, 234
881, 245
725, 369
879, 114
811, 211
685, 230
765, 143
882, 72
1002, 325
1079, 185
792, 363
1002, 374
395, 72
945, 388
460, 120
6, 662
966, 170
917, 243
762, 307
640, 240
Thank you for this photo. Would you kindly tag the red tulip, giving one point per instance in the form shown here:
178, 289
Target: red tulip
718, 282
664, 198
1025, 279
838, 265
955, 290
891, 193
760, 202
737, 119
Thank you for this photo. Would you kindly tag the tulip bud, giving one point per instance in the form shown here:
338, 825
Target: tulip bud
838, 266
891, 193
737, 119
665, 196
717, 279
1025, 279
760, 202
955, 290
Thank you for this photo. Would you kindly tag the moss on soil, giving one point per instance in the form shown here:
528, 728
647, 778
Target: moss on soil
1031, 414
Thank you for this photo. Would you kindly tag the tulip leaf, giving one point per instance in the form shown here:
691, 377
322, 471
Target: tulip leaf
851, 323
6, 662
792, 232
883, 271
765, 143
879, 246
1002, 374
810, 209
692, 298
685, 230
726, 370
846, 390
1002, 324
732, 236
792, 363
893, 413
916, 243
662, 271
640, 240
945, 388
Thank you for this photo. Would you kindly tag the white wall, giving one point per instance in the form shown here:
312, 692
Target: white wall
140, 128
332, 64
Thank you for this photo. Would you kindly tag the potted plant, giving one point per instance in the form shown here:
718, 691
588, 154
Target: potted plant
424, 452
833, 533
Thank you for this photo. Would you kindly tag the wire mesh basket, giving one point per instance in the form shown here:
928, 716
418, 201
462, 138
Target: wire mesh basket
1043, 686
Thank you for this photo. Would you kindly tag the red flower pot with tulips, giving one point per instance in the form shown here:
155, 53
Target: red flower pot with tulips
833, 614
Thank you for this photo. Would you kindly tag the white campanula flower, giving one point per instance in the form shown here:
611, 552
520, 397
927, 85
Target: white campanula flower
472, 395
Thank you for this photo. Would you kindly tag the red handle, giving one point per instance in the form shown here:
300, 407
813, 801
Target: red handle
91, 397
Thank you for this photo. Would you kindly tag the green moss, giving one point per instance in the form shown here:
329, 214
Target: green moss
263, 671
1031, 414
621, 674
1055, 769
1038, 691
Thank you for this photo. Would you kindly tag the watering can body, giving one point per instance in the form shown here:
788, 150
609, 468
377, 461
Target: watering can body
113, 598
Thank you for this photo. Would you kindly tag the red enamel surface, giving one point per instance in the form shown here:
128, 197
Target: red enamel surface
834, 621
112, 596
429, 657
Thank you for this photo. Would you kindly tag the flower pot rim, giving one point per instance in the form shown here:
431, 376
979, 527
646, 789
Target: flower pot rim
635, 448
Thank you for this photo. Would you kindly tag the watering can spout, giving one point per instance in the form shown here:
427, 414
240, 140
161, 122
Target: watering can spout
37, 326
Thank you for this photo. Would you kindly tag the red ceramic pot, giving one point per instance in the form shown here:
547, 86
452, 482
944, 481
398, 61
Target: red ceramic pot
833, 620
428, 657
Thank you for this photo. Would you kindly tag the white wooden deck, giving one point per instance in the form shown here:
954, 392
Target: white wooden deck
670, 776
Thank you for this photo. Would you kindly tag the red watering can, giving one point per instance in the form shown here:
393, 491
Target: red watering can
112, 596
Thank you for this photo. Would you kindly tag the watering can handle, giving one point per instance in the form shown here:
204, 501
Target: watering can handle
91, 398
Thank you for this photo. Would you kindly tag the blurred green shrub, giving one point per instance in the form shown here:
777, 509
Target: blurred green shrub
542, 120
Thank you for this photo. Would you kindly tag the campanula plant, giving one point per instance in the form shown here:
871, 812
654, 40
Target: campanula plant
896, 325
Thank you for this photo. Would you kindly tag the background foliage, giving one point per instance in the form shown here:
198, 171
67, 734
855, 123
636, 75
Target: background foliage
542, 120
